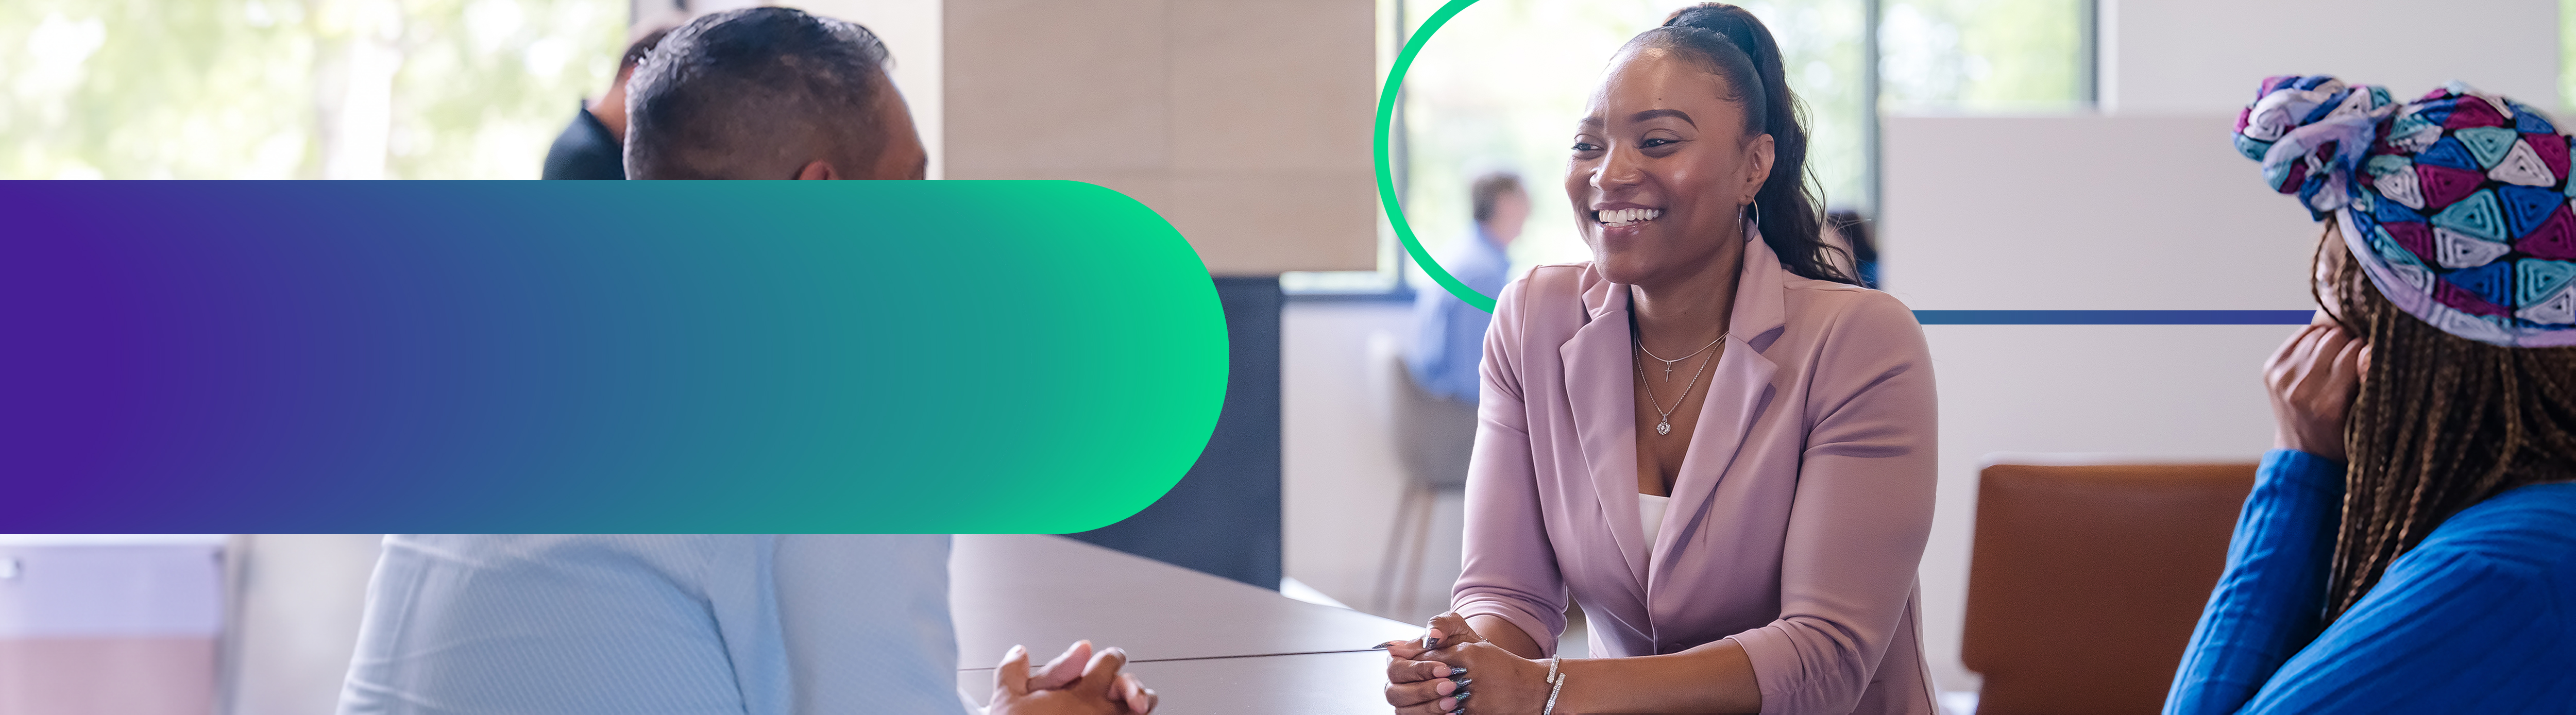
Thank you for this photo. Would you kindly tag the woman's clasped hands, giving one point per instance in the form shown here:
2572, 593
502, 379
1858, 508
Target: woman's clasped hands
1454, 670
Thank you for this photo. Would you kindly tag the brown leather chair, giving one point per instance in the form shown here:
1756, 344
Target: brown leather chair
2086, 580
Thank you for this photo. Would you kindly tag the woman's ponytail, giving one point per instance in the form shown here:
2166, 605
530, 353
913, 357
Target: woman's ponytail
1734, 45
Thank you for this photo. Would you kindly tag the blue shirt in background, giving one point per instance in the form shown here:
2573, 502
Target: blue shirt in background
1449, 335
2480, 617
684, 624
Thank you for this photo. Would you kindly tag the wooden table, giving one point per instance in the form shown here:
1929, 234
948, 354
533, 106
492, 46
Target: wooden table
1206, 644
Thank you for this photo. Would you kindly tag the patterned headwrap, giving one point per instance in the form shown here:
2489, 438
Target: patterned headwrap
2456, 204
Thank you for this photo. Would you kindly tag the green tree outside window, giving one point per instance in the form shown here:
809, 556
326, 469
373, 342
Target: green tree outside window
215, 89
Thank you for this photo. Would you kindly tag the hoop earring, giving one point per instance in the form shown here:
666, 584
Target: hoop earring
1751, 211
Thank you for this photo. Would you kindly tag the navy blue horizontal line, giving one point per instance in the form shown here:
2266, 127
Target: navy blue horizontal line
2114, 317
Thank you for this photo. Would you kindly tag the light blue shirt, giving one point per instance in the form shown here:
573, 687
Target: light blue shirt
690, 624
1449, 335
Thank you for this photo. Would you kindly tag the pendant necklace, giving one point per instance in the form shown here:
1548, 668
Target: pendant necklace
1668, 364
1664, 421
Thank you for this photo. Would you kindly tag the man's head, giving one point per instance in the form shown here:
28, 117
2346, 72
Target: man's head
769, 93
1501, 207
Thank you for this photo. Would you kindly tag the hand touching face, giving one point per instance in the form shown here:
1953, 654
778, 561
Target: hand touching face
2313, 379
1078, 682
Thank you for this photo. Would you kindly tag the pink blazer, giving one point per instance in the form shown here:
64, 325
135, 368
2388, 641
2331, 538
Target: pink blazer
1797, 519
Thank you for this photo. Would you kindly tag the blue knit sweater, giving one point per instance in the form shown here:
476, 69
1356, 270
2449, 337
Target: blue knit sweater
2480, 617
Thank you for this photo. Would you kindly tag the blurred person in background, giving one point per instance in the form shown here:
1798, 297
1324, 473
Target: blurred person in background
1858, 236
593, 146
2410, 542
731, 624
1449, 334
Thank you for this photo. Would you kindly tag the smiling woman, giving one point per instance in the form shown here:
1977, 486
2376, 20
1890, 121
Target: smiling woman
1496, 86
1740, 523
1769, 167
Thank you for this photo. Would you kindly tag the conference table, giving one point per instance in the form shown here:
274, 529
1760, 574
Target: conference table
1206, 644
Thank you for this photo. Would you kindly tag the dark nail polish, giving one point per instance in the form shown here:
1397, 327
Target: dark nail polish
1458, 670
1462, 684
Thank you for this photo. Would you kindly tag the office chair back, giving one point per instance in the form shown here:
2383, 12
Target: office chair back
1433, 435
2086, 581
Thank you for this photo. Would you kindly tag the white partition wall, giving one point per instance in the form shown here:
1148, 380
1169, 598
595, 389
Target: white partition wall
2204, 56
2082, 213
2086, 213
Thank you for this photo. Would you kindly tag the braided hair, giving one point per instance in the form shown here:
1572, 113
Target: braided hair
2442, 423
1731, 43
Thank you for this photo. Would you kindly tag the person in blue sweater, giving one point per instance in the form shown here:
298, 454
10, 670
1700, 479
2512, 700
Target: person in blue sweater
2410, 546
1449, 335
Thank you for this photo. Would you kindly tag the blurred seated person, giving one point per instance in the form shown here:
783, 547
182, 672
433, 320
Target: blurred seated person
1859, 237
2410, 543
730, 624
1449, 334
592, 147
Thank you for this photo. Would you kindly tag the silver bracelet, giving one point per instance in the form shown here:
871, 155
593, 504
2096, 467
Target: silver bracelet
1557, 685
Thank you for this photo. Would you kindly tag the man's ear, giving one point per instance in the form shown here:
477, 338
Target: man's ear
818, 169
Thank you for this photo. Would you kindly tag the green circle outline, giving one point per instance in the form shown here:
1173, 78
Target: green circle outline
1386, 170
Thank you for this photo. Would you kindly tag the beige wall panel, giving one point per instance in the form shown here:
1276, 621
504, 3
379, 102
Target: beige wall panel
1059, 86
1255, 223
1271, 84
1150, 187
1243, 122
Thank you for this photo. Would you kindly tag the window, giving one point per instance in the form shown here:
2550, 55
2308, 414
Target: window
2567, 53
1985, 56
1501, 84
296, 88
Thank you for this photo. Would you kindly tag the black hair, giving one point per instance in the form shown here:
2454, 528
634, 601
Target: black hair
2439, 424
1731, 43
1486, 189
1859, 235
728, 91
